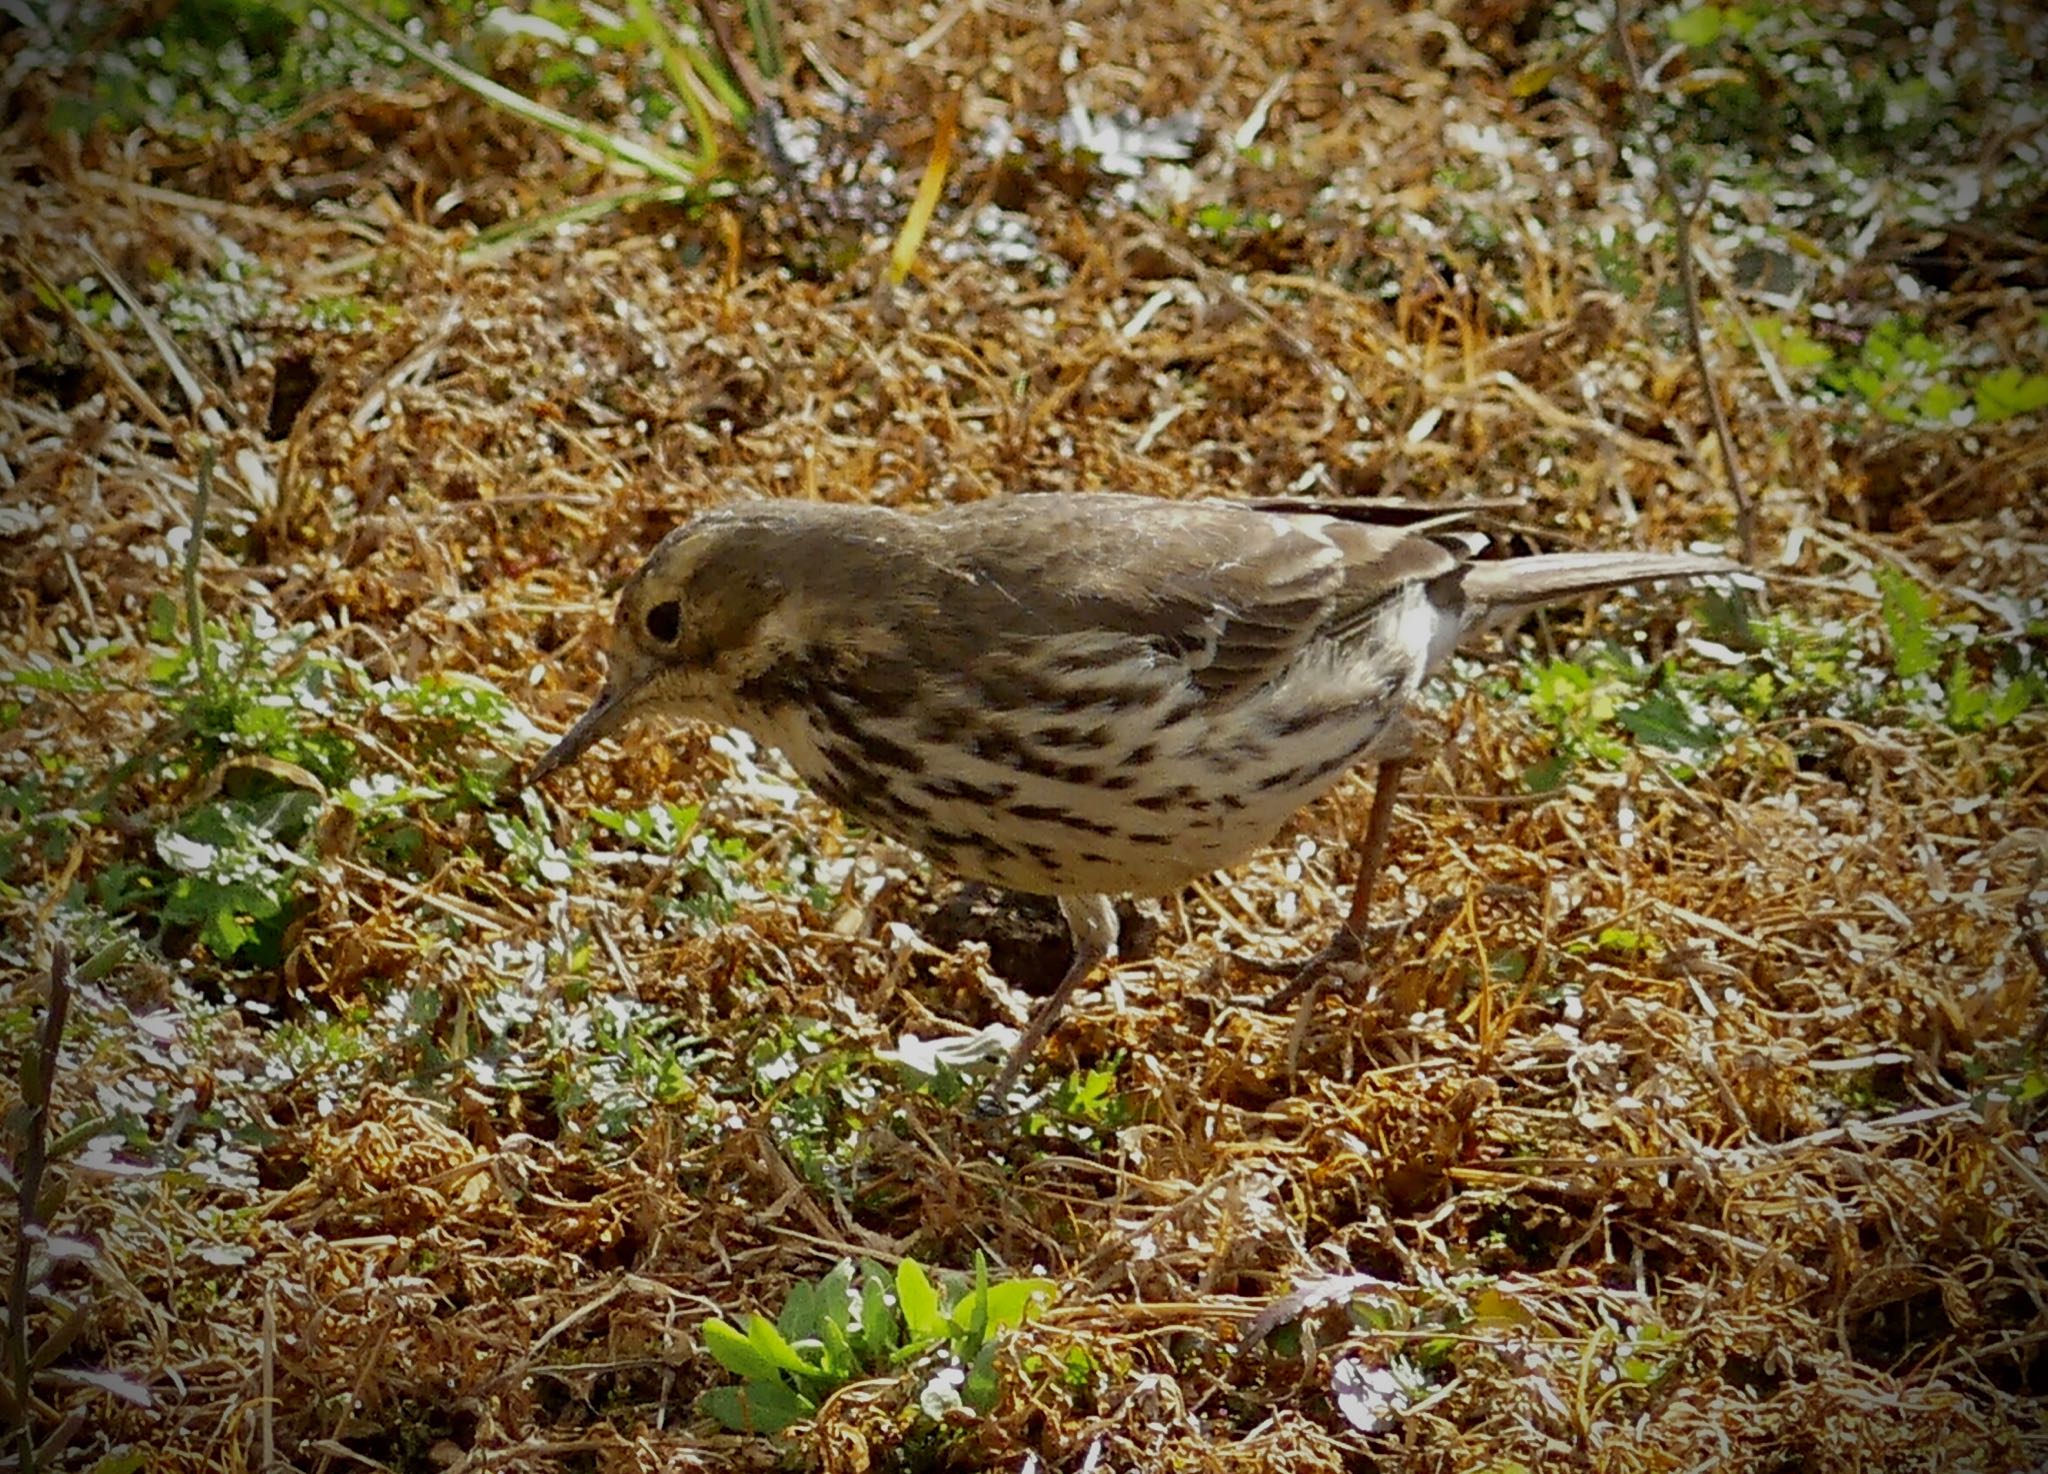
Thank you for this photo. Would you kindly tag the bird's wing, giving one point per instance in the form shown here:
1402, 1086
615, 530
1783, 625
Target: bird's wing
1229, 591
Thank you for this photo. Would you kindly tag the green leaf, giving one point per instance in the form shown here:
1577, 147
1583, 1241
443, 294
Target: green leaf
836, 1354
59, 1340
834, 1296
878, 1325
980, 1388
163, 619
1792, 345
835, 1289
970, 1316
1941, 401
1969, 701
1662, 720
671, 1081
77, 1136
1907, 611
799, 1318
763, 1336
126, 1461
919, 1302
757, 1407
2004, 393
1009, 1303
2014, 699
732, 1350
1699, 27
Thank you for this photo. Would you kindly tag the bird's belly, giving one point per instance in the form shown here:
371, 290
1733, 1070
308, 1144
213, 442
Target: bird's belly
1199, 797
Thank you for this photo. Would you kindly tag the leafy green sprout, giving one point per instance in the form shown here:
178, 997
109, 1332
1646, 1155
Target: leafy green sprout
944, 1334
1755, 670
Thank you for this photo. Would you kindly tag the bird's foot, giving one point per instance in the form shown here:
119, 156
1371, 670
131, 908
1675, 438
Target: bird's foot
1344, 950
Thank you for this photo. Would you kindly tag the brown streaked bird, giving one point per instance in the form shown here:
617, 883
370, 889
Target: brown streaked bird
1077, 695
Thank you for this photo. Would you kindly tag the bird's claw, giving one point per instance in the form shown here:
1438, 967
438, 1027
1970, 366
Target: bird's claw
1344, 949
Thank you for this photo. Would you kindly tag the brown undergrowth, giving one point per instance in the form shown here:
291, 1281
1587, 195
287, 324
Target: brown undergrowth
1689, 1120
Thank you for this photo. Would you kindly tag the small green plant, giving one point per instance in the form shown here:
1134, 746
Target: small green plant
1085, 1105
260, 737
944, 1334
2006, 392
1908, 375
1789, 343
704, 100
279, 727
201, 68
1226, 222
1617, 940
1591, 703
1908, 615
1986, 684
231, 873
1758, 75
609, 1061
1903, 372
1753, 670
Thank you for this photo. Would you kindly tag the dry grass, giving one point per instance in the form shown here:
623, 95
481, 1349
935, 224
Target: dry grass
1766, 1193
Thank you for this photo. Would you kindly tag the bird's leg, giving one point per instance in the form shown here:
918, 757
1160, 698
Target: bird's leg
1349, 942
1092, 920
1386, 784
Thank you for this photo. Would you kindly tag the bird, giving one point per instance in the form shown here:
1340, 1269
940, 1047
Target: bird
1082, 695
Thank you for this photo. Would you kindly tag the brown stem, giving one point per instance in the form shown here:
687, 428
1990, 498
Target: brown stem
1689, 284
35, 1122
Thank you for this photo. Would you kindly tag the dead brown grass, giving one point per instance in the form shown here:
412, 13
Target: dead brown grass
1782, 1159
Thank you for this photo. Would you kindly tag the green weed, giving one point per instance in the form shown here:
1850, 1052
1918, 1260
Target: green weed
1913, 664
943, 1332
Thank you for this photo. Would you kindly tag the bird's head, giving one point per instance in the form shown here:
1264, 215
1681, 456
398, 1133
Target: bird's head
692, 627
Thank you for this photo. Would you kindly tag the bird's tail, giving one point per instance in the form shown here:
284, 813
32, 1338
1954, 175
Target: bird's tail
1507, 586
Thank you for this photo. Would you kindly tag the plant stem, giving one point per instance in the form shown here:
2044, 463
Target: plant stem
678, 60
1689, 285
657, 162
195, 611
35, 1123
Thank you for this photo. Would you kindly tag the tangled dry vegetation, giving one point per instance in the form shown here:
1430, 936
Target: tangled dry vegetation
1695, 1121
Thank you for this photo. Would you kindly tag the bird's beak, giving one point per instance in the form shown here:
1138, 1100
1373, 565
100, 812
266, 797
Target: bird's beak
606, 716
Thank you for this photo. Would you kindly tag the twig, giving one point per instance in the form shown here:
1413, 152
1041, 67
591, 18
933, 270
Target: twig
1295, 344
2029, 922
38, 1076
97, 342
1689, 283
195, 613
929, 188
200, 396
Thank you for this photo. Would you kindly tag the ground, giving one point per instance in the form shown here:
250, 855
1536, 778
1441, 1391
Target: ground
406, 1118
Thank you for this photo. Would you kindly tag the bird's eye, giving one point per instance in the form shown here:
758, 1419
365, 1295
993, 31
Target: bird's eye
665, 622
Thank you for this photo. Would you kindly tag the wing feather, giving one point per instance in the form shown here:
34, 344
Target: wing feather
1230, 591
